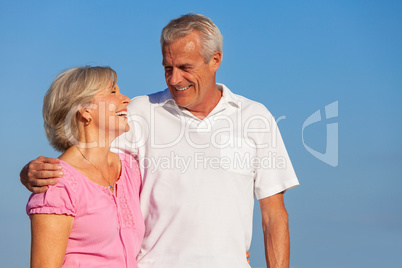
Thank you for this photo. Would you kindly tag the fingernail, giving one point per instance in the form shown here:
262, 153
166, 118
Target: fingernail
60, 174
59, 167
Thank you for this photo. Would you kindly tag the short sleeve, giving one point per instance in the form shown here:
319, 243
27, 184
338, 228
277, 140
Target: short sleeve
274, 170
58, 199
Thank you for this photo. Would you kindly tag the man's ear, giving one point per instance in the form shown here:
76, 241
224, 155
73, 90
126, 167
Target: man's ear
215, 61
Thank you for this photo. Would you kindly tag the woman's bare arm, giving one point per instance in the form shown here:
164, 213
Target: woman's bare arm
49, 239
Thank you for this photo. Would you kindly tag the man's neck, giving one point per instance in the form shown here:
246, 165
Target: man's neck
207, 108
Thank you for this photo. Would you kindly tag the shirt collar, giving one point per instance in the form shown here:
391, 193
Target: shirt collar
228, 96
166, 97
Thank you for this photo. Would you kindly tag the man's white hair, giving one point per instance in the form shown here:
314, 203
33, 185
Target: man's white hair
211, 37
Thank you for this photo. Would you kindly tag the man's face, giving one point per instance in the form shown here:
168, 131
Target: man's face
190, 80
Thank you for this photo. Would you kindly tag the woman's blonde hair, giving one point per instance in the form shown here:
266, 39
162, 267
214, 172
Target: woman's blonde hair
71, 89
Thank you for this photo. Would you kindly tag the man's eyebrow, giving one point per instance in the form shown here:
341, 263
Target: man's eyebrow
186, 65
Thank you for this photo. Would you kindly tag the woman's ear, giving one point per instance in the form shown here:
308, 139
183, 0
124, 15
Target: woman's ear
85, 113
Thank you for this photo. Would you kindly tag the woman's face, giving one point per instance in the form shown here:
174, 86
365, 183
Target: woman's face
110, 112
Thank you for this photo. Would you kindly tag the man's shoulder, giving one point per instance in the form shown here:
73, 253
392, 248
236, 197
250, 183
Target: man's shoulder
248, 101
250, 106
141, 102
156, 97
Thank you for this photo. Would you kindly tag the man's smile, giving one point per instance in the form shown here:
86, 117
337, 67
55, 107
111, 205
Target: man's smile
183, 88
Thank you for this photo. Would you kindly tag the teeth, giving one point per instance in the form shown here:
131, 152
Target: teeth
121, 113
183, 88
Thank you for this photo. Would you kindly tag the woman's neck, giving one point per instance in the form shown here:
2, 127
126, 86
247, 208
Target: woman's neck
96, 155
92, 145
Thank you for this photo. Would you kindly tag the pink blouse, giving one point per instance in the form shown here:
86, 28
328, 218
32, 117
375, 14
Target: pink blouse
107, 229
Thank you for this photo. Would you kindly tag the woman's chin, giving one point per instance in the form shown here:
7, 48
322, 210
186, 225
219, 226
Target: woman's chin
123, 129
113, 134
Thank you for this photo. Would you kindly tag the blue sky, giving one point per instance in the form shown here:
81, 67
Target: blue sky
295, 57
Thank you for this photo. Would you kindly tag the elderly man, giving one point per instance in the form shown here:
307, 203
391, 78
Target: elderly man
204, 151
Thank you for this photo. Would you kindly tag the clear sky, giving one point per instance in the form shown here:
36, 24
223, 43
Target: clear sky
295, 57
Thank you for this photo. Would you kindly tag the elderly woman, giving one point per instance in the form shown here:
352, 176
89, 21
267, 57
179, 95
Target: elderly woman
91, 218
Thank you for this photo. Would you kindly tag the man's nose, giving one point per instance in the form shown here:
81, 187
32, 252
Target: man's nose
176, 77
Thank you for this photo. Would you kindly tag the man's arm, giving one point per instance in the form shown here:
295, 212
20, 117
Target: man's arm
39, 173
276, 231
